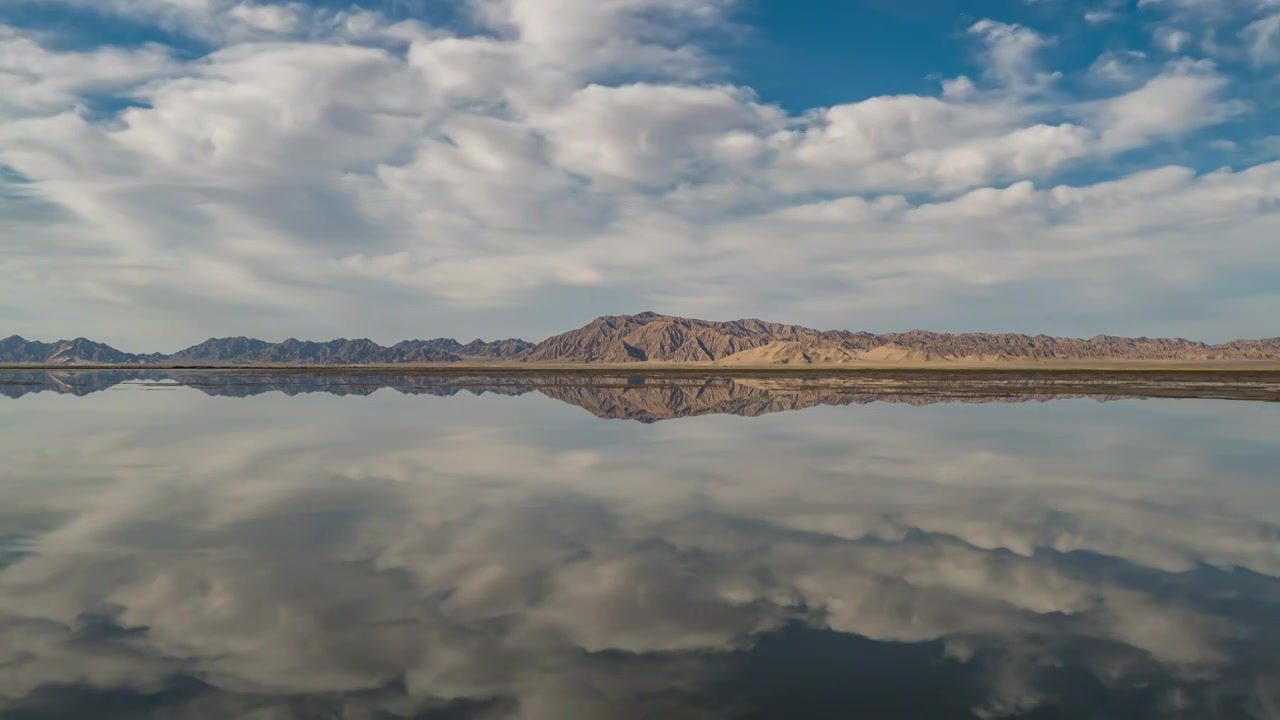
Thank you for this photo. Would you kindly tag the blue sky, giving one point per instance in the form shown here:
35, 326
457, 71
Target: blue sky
176, 169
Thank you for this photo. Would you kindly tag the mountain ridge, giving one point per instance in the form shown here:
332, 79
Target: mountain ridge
653, 337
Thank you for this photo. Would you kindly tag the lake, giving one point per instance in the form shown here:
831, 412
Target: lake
221, 545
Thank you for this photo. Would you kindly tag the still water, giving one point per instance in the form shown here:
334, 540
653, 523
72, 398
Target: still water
222, 547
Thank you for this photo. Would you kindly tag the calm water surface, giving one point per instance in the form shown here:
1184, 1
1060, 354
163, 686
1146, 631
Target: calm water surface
240, 548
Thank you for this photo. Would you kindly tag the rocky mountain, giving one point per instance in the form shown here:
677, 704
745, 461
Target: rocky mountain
223, 350
438, 346
662, 338
241, 350
19, 350
497, 349
653, 337
650, 337
247, 351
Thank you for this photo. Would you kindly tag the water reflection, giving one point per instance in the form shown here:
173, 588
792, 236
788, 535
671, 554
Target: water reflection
170, 554
653, 398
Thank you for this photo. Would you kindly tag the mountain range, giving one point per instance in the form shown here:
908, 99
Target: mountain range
248, 351
651, 337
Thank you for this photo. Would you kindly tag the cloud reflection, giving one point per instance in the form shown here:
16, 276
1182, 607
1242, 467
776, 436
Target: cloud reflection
498, 557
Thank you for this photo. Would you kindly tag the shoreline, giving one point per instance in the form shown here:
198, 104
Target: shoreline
934, 384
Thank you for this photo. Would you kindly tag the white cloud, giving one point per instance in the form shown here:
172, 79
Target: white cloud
1172, 40
1124, 67
1183, 98
279, 19
37, 81
1011, 53
618, 36
1263, 37
650, 134
332, 167
1218, 24
917, 143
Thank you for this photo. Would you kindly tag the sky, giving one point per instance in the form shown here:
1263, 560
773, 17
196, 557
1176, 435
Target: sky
172, 170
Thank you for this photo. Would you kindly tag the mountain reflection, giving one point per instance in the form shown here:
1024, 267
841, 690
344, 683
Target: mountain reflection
163, 554
654, 398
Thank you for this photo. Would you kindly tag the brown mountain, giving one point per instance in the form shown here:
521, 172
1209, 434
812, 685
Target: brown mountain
662, 338
653, 337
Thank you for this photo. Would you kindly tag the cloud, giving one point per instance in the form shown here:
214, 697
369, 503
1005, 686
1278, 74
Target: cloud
1263, 38
1119, 67
652, 135
1181, 99
621, 36
306, 171
1172, 40
220, 22
1253, 22
1011, 52
35, 81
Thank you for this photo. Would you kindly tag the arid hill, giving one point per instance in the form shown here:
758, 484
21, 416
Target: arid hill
652, 337
497, 349
662, 338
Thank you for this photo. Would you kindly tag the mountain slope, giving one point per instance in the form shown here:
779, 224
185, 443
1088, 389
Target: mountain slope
80, 351
650, 336
345, 352
661, 338
363, 351
497, 349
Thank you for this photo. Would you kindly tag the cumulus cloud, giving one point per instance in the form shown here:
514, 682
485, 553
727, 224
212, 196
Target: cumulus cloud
308, 171
1172, 39
1179, 100
1263, 38
1011, 52
218, 22
35, 81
